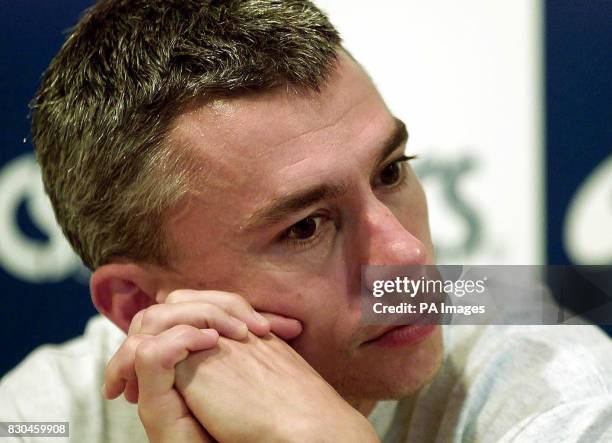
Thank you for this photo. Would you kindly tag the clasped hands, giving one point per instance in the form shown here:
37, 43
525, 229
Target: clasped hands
204, 366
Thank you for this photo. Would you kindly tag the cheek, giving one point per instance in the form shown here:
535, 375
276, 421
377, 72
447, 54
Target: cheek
292, 294
330, 325
317, 304
314, 291
321, 301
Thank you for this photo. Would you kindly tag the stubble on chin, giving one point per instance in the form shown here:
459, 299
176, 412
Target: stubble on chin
394, 379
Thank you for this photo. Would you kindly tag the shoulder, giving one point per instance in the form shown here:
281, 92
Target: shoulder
499, 381
570, 361
68, 369
63, 382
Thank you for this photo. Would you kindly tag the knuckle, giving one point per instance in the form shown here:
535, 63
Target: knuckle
146, 353
233, 301
151, 316
175, 296
211, 310
131, 343
235, 298
182, 330
209, 314
244, 303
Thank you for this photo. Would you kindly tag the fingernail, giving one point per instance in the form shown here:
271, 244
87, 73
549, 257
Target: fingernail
103, 390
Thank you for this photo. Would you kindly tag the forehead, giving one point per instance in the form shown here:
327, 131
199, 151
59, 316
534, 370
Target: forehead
254, 148
265, 130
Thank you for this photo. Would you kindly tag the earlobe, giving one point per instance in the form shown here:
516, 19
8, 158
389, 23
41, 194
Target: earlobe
120, 290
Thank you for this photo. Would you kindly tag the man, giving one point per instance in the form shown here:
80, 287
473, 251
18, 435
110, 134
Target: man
225, 169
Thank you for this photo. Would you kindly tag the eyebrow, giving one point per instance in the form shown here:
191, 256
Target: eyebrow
398, 137
281, 207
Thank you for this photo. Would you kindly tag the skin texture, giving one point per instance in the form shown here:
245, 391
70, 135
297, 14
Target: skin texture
255, 150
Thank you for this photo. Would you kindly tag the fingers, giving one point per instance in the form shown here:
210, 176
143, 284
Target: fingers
157, 356
233, 304
120, 368
131, 390
161, 408
225, 312
285, 327
120, 372
161, 317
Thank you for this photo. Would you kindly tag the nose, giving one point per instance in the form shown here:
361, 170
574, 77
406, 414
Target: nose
389, 251
385, 241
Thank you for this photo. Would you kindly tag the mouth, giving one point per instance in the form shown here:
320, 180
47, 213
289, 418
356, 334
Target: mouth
401, 335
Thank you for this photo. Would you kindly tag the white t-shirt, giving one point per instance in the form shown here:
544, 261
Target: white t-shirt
497, 383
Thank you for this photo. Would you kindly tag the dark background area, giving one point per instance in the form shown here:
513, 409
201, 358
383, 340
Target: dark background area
578, 69
31, 314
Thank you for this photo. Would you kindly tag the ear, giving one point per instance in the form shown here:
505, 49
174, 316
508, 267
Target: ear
120, 290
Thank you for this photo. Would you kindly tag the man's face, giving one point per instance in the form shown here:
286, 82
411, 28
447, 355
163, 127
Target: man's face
297, 192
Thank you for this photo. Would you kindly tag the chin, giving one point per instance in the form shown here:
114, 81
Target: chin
394, 373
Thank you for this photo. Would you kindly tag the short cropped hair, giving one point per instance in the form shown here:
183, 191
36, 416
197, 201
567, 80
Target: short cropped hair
102, 114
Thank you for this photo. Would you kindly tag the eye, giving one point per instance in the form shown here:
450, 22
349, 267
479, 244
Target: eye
304, 229
391, 174
394, 173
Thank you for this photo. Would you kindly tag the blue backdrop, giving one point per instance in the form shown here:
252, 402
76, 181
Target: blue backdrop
32, 32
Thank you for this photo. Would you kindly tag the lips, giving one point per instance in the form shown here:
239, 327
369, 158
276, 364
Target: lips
405, 335
382, 332
423, 323
399, 322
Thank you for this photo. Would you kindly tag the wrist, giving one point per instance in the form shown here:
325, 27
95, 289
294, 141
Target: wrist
329, 429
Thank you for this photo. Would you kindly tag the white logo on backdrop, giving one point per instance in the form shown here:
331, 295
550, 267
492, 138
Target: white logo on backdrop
22, 256
447, 174
588, 222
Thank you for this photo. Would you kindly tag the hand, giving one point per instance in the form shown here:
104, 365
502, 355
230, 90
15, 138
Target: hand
164, 334
261, 390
